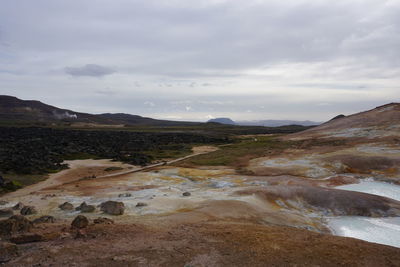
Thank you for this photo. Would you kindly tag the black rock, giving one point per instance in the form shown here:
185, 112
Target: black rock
80, 222
112, 207
66, 206
86, 208
28, 210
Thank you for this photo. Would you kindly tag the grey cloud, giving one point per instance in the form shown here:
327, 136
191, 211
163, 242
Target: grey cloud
248, 52
89, 70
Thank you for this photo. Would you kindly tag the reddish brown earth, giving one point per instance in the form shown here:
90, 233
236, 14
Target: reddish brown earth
201, 244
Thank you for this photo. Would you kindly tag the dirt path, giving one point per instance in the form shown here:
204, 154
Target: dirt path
79, 169
200, 150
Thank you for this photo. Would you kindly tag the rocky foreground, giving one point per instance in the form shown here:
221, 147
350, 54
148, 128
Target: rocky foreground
169, 242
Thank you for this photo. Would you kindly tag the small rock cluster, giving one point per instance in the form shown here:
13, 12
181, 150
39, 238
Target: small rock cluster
23, 210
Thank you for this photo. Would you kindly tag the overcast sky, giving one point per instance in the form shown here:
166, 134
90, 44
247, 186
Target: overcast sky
198, 59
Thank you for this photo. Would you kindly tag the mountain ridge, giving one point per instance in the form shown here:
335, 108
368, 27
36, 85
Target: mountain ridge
13, 109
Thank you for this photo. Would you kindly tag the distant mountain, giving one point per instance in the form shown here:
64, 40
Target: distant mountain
223, 121
266, 123
15, 110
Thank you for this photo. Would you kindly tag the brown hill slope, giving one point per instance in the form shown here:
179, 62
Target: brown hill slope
381, 121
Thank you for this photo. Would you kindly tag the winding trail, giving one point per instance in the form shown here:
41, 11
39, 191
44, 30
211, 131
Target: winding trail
200, 151
72, 173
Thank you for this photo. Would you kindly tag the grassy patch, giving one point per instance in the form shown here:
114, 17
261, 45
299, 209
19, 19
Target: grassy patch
239, 153
170, 151
25, 179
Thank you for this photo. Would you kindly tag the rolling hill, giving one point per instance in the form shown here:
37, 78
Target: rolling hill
17, 111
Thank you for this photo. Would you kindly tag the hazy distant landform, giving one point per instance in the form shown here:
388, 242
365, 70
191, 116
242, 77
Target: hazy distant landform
268, 123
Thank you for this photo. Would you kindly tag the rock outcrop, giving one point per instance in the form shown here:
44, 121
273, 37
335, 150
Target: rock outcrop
66, 206
113, 207
80, 222
86, 208
28, 210
15, 224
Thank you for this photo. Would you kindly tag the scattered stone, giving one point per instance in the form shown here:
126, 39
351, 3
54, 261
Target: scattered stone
66, 206
44, 219
186, 194
7, 251
18, 206
26, 238
6, 212
80, 222
86, 208
28, 210
103, 220
112, 207
15, 224
3, 202
141, 204
125, 195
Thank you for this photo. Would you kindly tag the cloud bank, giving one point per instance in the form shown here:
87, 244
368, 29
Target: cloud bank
253, 59
92, 70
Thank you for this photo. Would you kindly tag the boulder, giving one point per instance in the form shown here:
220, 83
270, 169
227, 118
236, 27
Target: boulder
186, 194
44, 219
103, 220
141, 204
15, 224
66, 206
86, 208
18, 206
7, 251
6, 212
28, 210
112, 207
3, 202
80, 222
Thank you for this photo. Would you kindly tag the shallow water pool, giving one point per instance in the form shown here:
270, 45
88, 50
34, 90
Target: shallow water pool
374, 188
378, 230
